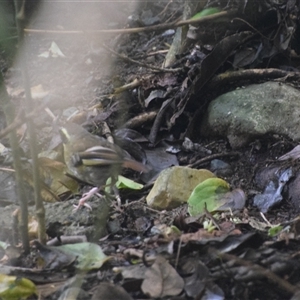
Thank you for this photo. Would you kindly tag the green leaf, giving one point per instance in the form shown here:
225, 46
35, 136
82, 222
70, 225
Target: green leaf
210, 193
273, 231
89, 256
124, 183
206, 12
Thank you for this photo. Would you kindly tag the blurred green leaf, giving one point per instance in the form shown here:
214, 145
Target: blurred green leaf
14, 288
206, 12
89, 256
273, 231
124, 183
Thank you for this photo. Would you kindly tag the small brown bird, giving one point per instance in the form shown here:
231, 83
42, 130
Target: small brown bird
93, 159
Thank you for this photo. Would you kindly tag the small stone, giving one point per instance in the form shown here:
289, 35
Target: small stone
174, 186
220, 168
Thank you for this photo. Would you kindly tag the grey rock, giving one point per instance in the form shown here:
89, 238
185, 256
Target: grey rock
83, 222
247, 113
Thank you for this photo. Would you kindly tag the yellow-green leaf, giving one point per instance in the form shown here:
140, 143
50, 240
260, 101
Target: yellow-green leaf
273, 231
89, 256
124, 183
209, 193
14, 288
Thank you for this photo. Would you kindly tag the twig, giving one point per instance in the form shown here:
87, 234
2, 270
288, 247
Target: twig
178, 252
210, 216
165, 9
265, 272
135, 83
141, 119
211, 157
9, 112
265, 219
158, 120
141, 64
157, 52
39, 206
251, 74
164, 26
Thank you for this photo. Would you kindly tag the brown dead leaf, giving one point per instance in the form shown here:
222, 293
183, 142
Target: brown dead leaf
201, 234
54, 173
161, 280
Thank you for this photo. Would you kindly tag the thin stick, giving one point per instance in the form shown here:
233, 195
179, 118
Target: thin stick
141, 64
164, 26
